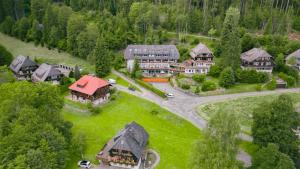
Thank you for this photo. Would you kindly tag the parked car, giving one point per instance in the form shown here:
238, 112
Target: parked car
169, 95
84, 164
112, 81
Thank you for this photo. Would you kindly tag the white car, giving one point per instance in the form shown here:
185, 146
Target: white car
112, 81
84, 164
170, 95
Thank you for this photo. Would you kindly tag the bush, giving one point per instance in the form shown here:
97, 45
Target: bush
271, 85
195, 42
208, 86
199, 78
151, 88
289, 79
215, 71
227, 79
92, 109
197, 90
185, 86
258, 87
154, 112
251, 76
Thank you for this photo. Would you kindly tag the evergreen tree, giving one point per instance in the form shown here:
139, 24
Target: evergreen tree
275, 123
227, 78
5, 56
270, 157
102, 57
7, 25
76, 73
76, 24
230, 39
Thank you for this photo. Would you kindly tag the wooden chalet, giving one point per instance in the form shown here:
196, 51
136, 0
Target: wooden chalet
46, 72
90, 88
295, 55
23, 67
257, 59
126, 149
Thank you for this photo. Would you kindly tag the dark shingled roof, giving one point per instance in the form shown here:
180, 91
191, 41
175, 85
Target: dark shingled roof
21, 62
295, 54
132, 138
254, 53
44, 71
200, 49
151, 52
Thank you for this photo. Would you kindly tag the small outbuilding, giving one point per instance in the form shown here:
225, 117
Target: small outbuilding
23, 67
90, 87
280, 84
46, 72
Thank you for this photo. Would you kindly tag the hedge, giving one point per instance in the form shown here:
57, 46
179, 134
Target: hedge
151, 88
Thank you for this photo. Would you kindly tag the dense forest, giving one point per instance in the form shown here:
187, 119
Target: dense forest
34, 135
77, 25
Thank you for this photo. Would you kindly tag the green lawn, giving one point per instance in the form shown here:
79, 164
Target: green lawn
243, 107
171, 136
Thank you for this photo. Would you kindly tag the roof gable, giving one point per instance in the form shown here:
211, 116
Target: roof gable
254, 54
21, 62
200, 49
151, 52
132, 138
88, 84
44, 71
295, 54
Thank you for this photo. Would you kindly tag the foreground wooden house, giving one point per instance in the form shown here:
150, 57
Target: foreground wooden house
257, 59
295, 55
154, 60
126, 149
46, 72
23, 67
90, 88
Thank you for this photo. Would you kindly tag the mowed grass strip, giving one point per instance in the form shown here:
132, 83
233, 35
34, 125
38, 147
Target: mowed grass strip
243, 107
171, 136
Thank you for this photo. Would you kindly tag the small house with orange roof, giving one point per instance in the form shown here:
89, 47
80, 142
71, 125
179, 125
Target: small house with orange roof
90, 88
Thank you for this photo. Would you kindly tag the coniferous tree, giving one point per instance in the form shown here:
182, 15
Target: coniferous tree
76, 73
102, 56
230, 40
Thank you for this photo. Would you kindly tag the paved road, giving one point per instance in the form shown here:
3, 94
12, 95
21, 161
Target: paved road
185, 105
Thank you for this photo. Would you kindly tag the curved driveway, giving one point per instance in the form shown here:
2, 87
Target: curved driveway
185, 105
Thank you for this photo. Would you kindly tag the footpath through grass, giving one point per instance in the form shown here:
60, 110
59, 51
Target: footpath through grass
171, 136
243, 107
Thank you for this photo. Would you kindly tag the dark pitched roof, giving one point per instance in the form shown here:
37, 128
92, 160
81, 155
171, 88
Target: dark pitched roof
254, 53
295, 54
200, 49
132, 138
44, 71
151, 52
21, 62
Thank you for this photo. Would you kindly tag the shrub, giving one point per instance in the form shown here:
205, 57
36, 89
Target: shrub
154, 112
289, 79
199, 78
195, 42
215, 71
92, 109
151, 88
185, 86
258, 87
197, 90
251, 76
208, 86
227, 79
271, 85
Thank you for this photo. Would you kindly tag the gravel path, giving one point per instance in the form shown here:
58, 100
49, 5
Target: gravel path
185, 105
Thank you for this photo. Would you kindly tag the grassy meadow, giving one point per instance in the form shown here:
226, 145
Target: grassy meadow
171, 136
242, 107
